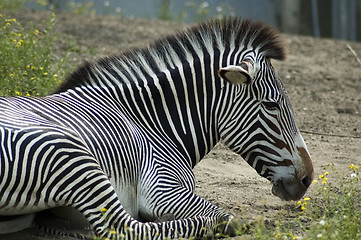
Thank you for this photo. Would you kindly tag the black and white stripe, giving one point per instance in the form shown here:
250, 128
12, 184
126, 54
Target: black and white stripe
124, 133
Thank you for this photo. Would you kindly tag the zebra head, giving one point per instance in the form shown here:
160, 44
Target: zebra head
260, 125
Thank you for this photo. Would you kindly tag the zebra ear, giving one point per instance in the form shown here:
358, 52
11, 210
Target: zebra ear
235, 74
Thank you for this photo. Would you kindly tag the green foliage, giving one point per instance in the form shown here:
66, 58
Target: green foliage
11, 4
337, 214
27, 65
333, 213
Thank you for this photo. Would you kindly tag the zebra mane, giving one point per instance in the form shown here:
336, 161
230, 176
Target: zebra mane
226, 32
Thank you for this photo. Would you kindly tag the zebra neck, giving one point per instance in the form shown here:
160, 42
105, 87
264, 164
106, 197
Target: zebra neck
179, 105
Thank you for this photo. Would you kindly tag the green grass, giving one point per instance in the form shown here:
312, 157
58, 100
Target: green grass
337, 214
334, 212
11, 4
28, 66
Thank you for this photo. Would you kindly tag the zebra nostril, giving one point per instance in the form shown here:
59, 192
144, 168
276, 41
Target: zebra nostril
306, 181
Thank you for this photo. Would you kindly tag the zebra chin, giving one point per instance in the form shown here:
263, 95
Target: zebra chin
289, 190
292, 182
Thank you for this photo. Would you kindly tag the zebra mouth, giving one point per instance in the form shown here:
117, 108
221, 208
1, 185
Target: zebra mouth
280, 191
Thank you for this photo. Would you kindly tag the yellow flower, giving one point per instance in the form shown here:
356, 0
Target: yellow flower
315, 181
325, 179
113, 232
45, 73
14, 20
303, 208
326, 173
103, 210
19, 43
351, 166
36, 32
17, 93
299, 202
307, 199
356, 167
320, 176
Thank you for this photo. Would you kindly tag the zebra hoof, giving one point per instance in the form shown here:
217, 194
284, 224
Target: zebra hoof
10, 224
232, 227
237, 227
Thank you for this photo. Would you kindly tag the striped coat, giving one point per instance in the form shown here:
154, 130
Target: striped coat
119, 138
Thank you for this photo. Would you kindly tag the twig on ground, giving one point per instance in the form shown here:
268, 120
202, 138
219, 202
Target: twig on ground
354, 53
329, 135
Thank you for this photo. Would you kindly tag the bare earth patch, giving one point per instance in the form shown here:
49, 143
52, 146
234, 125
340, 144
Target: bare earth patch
323, 79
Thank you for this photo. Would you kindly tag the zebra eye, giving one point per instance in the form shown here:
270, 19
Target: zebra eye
243, 65
271, 105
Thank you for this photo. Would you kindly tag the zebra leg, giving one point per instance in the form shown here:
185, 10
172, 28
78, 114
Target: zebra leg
96, 199
181, 203
113, 222
186, 204
101, 206
109, 219
169, 194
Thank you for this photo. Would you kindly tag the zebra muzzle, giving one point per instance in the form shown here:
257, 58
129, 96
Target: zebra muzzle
288, 190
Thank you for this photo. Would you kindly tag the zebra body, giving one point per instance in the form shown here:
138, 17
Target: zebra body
118, 140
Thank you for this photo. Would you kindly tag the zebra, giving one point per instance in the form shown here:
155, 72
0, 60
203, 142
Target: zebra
117, 141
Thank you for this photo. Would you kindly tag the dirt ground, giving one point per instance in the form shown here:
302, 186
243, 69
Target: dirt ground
323, 79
